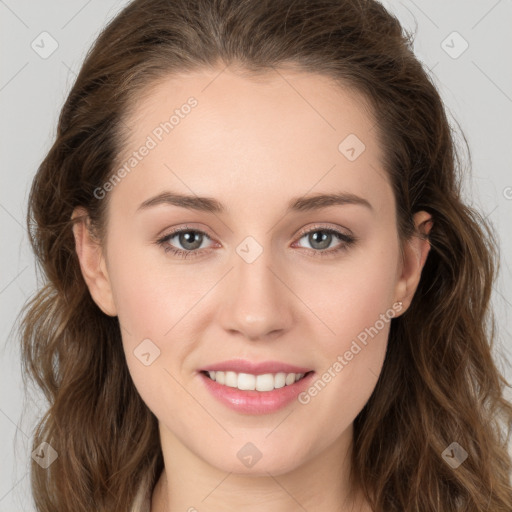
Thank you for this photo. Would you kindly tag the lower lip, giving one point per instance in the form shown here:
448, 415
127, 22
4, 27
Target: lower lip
256, 402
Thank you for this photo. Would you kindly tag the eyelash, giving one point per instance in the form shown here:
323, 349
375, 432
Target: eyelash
348, 240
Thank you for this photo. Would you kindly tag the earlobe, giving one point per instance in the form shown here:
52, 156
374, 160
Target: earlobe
92, 263
415, 254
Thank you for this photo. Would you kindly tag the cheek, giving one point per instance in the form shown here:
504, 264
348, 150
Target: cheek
138, 295
145, 297
155, 305
356, 306
148, 307
351, 297
358, 313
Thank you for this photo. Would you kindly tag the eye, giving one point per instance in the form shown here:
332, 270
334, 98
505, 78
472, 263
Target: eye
190, 239
320, 239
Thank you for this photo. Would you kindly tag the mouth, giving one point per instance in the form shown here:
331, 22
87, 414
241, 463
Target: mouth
265, 382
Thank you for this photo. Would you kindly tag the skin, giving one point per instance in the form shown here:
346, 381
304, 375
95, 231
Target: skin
253, 144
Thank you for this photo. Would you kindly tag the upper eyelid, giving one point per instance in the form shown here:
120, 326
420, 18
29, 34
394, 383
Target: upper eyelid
319, 227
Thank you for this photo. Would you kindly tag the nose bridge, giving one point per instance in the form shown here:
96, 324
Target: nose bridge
257, 302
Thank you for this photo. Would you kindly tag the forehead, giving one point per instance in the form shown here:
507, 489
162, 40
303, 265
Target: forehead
219, 132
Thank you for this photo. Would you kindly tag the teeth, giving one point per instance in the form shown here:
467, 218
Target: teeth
247, 381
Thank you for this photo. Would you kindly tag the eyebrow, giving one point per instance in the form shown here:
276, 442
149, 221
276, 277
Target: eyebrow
211, 205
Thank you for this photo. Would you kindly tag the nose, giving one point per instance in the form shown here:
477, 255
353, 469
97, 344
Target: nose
256, 301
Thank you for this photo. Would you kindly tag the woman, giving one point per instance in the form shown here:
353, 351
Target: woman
263, 288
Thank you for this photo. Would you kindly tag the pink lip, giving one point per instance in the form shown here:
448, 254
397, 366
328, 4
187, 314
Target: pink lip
256, 402
244, 366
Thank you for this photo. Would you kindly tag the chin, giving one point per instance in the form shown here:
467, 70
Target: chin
247, 459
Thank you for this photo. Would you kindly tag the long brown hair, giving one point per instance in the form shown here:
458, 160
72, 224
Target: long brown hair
439, 383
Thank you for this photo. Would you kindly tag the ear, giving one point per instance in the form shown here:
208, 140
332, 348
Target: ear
92, 262
415, 252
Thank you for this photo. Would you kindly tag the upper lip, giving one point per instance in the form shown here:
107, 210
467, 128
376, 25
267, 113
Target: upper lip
244, 366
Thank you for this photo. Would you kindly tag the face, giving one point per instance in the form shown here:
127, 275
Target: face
267, 275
